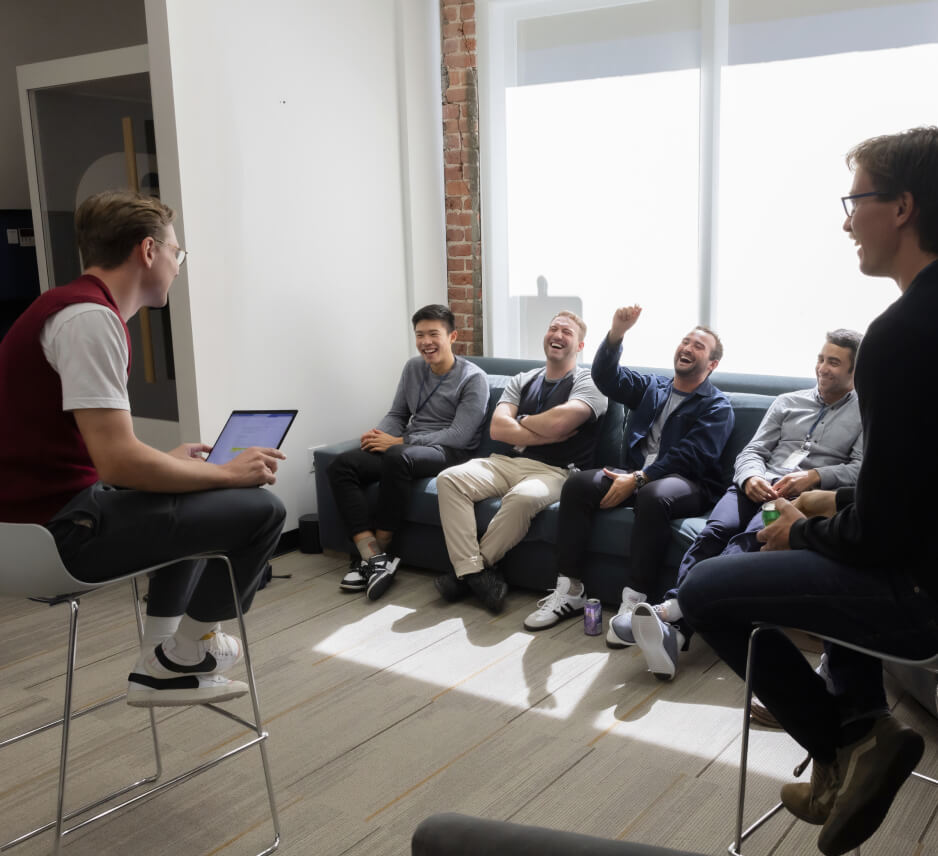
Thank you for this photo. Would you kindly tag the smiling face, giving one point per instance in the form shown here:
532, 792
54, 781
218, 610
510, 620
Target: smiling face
562, 341
435, 344
872, 227
692, 358
834, 372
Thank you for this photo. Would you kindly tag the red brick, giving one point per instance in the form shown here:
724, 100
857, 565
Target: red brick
455, 234
457, 60
454, 157
453, 173
464, 307
471, 45
455, 264
456, 250
450, 111
467, 203
456, 93
454, 218
456, 188
452, 141
451, 13
460, 279
469, 27
452, 29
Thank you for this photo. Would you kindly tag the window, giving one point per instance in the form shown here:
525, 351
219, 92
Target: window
597, 171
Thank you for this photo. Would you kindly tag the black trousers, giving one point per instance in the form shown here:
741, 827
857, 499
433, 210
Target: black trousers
656, 505
105, 532
395, 471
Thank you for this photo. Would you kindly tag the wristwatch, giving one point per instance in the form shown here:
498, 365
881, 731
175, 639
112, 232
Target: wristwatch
640, 480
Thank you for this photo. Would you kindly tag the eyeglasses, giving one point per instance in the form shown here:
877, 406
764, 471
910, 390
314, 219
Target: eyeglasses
850, 204
180, 252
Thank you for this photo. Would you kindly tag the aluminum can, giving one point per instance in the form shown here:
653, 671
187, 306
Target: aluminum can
593, 617
769, 513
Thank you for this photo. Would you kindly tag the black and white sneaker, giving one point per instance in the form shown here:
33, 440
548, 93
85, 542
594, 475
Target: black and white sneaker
556, 607
357, 577
381, 570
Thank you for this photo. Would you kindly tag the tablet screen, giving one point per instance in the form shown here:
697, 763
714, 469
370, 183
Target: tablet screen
246, 428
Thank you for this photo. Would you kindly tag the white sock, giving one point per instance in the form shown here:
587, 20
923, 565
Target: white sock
671, 610
158, 628
576, 586
367, 547
183, 647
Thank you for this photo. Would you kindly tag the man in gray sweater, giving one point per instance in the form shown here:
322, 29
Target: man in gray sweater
435, 421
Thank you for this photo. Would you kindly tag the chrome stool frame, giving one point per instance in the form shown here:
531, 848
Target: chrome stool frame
31, 567
735, 847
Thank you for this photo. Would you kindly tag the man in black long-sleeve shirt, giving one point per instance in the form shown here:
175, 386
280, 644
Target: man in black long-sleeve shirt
859, 564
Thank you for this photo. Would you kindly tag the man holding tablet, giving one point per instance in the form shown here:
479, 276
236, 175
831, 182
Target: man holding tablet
71, 461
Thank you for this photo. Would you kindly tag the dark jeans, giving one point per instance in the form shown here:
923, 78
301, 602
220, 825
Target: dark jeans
131, 529
875, 608
395, 471
656, 505
731, 529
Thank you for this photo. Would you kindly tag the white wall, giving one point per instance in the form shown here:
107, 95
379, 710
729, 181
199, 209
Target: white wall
302, 145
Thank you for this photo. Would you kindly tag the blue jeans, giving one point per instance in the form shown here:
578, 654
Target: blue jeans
880, 609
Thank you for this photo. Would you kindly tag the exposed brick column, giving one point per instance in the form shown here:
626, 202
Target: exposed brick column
461, 172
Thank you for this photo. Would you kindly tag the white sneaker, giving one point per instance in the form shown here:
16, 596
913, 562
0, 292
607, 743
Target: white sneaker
219, 651
557, 606
144, 690
621, 621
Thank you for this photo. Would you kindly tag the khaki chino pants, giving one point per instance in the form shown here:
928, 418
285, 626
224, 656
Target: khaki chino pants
526, 486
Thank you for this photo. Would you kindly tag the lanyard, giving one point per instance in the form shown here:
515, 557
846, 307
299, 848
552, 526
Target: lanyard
810, 433
544, 392
423, 383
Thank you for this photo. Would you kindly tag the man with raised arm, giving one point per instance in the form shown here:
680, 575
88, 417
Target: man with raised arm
71, 461
550, 416
676, 433
807, 439
435, 421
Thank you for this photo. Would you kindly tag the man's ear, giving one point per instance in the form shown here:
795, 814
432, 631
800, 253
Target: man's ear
453, 336
905, 208
580, 346
147, 251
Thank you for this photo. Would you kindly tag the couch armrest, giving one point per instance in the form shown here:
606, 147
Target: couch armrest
332, 532
460, 835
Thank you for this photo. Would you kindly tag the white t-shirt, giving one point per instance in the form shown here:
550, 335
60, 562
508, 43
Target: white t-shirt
85, 344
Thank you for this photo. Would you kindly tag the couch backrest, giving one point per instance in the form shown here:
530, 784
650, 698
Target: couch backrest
750, 396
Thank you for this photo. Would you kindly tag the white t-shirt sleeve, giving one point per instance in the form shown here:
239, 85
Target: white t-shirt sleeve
85, 344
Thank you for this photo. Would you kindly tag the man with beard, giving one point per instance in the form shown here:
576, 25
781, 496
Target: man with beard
550, 417
676, 434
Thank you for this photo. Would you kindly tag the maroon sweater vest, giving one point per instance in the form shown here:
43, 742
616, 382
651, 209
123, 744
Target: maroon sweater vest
43, 459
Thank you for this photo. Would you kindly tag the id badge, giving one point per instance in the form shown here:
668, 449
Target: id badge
793, 461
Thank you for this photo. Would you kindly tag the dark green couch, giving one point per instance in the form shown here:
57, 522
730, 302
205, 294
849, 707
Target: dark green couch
532, 563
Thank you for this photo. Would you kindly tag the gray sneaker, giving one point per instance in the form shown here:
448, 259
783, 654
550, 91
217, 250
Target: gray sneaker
659, 641
619, 634
873, 770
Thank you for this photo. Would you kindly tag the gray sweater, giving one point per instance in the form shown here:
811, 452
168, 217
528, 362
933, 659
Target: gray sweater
836, 446
433, 410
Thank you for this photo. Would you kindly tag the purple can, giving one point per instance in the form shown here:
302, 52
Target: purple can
593, 617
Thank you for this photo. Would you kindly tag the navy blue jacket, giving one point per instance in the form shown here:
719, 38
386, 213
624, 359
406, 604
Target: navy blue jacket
692, 439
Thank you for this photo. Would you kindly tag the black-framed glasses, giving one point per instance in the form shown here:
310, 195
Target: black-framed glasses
850, 202
179, 251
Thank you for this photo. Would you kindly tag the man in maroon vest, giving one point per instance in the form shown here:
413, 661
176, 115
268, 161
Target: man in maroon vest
70, 459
